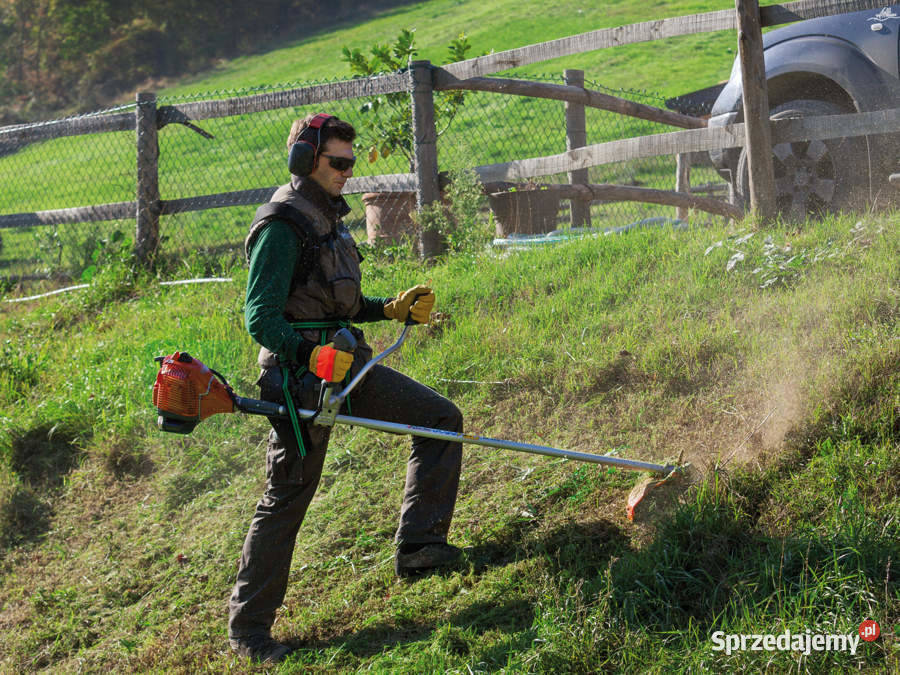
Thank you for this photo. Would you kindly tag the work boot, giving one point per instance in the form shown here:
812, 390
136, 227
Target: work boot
260, 648
415, 559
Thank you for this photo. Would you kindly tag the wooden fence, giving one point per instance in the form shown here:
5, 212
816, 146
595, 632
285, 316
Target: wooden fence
422, 80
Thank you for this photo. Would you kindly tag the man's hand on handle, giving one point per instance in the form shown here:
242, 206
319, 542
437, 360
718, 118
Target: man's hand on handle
415, 303
329, 363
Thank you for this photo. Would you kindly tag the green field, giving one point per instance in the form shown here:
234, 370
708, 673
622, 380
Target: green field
248, 150
120, 541
765, 357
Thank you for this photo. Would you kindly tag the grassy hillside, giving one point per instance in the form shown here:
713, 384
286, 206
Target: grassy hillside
248, 151
121, 542
767, 359
669, 67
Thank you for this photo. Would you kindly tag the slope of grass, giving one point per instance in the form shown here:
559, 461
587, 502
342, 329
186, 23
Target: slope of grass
120, 543
690, 62
248, 151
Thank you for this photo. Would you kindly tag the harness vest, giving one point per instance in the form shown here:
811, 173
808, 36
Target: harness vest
326, 283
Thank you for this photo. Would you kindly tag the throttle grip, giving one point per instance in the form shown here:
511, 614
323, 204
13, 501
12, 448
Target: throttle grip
409, 320
344, 341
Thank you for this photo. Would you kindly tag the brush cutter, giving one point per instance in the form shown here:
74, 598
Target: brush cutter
187, 391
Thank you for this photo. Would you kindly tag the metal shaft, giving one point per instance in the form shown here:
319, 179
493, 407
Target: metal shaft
255, 407
394, 428
345, 392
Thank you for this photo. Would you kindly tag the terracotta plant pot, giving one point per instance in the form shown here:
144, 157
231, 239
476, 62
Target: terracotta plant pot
524, 211
387, 215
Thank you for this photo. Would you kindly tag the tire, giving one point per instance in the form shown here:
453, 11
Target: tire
812, 178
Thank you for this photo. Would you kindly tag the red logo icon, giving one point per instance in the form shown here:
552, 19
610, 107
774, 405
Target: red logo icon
869, 630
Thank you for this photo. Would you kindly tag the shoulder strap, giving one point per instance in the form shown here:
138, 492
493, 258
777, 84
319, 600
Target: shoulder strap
301, 222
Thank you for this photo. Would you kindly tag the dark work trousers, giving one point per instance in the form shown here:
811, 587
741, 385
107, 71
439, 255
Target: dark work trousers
432, 480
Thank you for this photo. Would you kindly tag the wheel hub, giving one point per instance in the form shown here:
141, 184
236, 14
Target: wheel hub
804, 177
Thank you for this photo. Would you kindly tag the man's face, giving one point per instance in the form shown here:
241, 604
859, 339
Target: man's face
331, 179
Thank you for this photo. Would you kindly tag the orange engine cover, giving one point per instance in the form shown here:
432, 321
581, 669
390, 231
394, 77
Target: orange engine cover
188, 390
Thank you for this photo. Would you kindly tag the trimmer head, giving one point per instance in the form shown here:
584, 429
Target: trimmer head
653, 491
186, 391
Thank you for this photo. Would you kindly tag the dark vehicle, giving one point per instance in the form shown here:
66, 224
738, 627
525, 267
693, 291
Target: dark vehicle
834, 65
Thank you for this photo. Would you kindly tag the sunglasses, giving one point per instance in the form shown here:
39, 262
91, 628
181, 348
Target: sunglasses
340, 163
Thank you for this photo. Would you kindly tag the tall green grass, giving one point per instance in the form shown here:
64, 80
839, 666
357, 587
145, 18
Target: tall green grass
120, 542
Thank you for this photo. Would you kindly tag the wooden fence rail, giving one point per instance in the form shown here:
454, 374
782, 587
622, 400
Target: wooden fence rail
462, 75
672, 143
399, 182
692, 140
626, 193
23, 134
569, 94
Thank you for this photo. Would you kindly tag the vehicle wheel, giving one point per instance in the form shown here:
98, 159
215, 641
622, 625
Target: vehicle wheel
812, 177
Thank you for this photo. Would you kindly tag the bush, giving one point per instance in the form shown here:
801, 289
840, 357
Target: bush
459, 220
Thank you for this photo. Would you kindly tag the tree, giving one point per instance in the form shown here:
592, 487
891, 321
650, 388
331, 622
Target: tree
388, 124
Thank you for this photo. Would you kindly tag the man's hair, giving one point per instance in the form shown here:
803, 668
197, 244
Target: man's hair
333, 128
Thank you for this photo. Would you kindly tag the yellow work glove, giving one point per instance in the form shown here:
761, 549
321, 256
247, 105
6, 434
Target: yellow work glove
417, 303
329, 363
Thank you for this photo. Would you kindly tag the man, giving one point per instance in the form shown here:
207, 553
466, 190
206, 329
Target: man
304, 285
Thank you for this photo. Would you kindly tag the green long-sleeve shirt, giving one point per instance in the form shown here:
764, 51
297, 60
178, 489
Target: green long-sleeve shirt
272, 263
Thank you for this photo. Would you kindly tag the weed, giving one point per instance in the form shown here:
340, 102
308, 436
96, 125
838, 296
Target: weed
20, 368
783, 264
383, 253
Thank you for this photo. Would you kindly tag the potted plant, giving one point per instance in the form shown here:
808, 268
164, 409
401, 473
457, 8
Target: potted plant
387, 127
528, 210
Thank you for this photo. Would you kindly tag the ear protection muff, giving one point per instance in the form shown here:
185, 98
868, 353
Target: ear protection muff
302, 158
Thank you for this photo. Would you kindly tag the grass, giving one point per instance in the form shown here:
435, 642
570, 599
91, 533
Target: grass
248, 152
120, 542
767, 358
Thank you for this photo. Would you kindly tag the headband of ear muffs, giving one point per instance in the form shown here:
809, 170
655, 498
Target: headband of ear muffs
302, 158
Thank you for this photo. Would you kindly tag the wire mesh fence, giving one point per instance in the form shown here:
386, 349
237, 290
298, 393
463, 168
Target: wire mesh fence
248, 151
59, 172
494, 128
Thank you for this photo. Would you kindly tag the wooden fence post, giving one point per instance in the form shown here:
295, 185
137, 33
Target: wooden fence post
424, 130
146, 238
682, 182
576, 137
756, 110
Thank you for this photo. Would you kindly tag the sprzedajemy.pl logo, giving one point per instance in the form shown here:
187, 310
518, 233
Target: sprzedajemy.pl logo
804, 643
